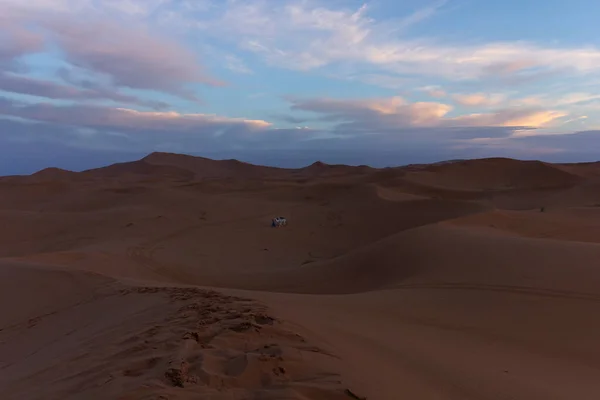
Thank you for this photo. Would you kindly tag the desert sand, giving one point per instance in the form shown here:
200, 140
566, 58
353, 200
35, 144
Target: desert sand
162, 278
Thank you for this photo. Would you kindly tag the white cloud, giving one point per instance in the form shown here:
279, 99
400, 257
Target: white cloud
301, 35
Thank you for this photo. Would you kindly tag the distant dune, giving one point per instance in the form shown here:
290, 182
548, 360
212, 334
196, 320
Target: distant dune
494, 174
162, 278
54, 174
207, 168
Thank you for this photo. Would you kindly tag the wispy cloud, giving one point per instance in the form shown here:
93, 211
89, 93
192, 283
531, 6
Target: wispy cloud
375, 113
560, 100
304, 36
235, 64
397, 113
527, 118
126, 119
420, 15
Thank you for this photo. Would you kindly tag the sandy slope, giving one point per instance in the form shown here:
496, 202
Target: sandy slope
573, 224
427, 282
98, 339
479, 317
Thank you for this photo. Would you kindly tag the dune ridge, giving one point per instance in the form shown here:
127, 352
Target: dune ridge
162, 278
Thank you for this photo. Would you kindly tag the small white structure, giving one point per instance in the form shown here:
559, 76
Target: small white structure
278, 222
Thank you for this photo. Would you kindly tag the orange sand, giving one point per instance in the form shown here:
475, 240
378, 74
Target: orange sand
162, 279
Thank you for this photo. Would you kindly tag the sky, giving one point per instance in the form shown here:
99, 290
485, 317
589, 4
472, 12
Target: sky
287, 82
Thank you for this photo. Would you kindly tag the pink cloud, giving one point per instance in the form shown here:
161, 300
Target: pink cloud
127, 119
396, 113
479, 99
531, 118
131, 55
16, 41
126, 51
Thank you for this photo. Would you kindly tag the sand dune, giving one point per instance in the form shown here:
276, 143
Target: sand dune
574, 224
54, 174
206, 168
585, 170
461, 280
100, 339
494, 174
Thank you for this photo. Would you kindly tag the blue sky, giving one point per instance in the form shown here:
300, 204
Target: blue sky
287, 82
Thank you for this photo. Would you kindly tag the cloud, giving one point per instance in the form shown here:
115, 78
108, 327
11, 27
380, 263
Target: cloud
235, 64
76, 130
479, 99
434, 91
420, 15
125, 130
50, 145
359, 117
122, 119
282, 146
301, 35
411, 113
126, 51
132, 56
290, 119
566, 99
51, 90
47, 144
397, 113
376, 124
15, 41
357, 123
530, 118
